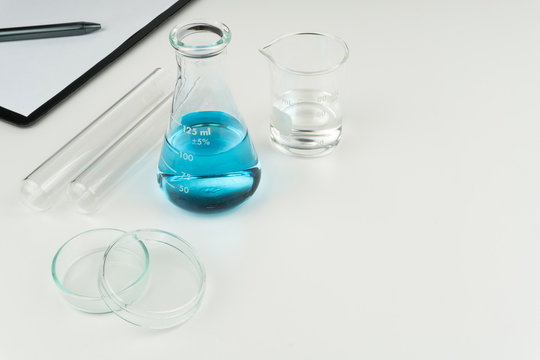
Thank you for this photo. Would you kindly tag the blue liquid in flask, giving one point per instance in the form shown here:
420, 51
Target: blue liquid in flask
208, 163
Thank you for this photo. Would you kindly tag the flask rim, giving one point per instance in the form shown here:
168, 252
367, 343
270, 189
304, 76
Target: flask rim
180, 32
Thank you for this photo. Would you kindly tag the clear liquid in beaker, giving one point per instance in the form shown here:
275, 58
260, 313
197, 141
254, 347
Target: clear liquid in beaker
306, 122
208, 163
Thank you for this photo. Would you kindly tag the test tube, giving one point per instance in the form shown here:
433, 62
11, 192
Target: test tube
90, 188
47, 183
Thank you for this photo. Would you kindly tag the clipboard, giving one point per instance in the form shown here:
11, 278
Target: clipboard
127, 22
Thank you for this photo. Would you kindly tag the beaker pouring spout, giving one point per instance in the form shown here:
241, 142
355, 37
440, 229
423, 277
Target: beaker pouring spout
266, 51
307, 53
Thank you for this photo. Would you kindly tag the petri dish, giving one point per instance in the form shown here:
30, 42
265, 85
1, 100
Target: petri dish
174, 286
76, 265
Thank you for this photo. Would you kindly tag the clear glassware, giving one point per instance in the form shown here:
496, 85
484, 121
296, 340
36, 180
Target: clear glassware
208, 162
306, 114
76, 265
176, 280
91, 187
149, 277
44, 187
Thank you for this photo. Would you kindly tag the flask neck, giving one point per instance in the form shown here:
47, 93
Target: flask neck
202, 86
201, 56
189, 67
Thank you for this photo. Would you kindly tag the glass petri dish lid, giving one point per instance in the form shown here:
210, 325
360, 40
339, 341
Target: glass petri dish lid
174, 281
76, 265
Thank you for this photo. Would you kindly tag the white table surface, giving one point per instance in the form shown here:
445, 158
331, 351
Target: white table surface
418, 238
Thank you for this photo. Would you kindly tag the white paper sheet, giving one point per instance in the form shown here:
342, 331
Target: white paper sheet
33, 71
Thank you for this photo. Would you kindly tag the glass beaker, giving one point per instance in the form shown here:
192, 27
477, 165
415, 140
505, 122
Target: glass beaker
207, 162
306, 114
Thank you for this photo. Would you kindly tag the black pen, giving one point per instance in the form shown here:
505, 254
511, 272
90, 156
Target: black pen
47, 31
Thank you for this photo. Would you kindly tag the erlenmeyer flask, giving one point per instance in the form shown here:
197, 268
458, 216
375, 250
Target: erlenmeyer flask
207, 162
